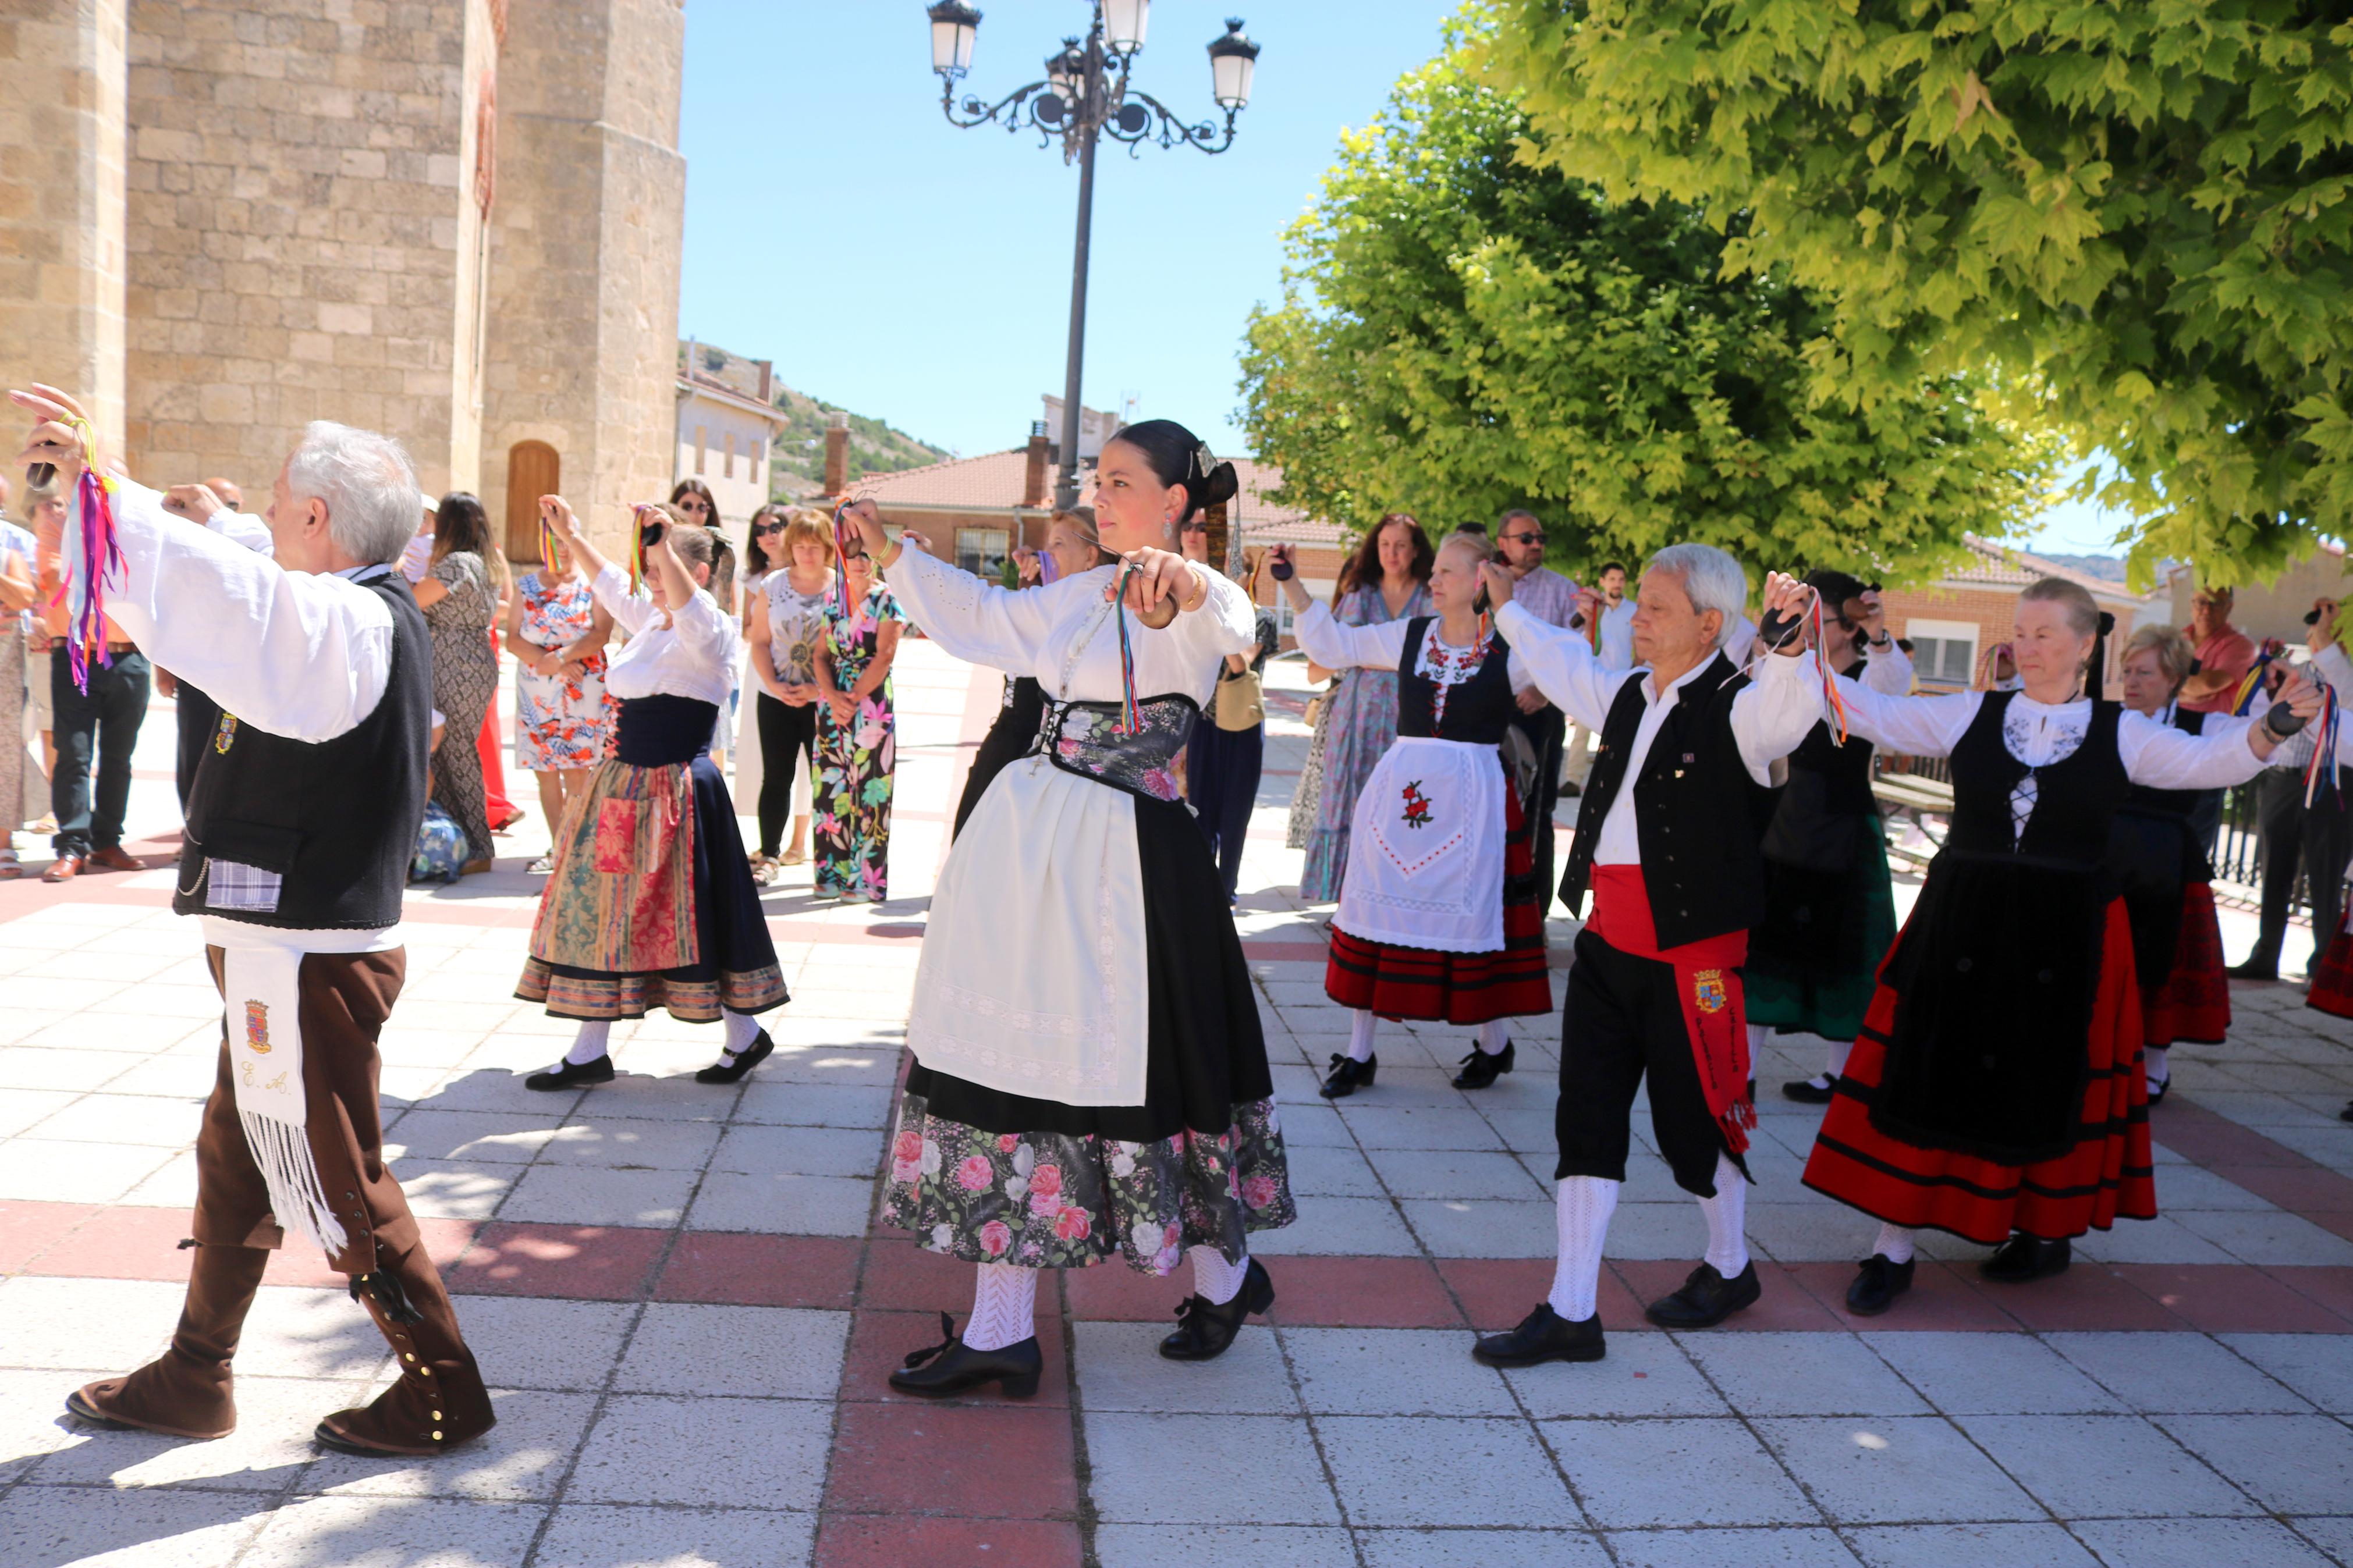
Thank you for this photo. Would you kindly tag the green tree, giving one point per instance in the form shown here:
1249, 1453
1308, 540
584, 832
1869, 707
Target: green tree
1462, 332
2133, 212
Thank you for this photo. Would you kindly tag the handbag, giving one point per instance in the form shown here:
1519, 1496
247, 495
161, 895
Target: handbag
1242, 700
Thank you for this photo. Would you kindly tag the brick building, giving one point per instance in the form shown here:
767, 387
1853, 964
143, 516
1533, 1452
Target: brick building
1951, 621
455, 221
2274, 609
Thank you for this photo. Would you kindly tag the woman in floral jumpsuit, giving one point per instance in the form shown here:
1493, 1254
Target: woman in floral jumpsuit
856, 739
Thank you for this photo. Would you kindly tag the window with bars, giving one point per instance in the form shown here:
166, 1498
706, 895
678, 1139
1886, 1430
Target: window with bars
982, 551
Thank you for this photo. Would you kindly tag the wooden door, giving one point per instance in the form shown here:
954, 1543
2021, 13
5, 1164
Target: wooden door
533, 470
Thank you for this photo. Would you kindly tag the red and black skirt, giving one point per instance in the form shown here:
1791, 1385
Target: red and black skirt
2107, 1172
2332, 977
2191, 1003
1427, 985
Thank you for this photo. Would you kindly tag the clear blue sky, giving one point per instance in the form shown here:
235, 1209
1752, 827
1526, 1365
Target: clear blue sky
895, 265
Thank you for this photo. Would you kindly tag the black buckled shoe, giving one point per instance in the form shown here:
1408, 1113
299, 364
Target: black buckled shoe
1878, 1284
2157, 1092
952, 1366
1205, 1328
750, 1056
1707, 1299
1348, 1075
1481, 1069
573, 1075
1809, 1091
1542, 1335
2025, 1258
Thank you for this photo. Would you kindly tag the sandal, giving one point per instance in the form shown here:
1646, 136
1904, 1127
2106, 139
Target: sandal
797, 855
544, 865
763, 871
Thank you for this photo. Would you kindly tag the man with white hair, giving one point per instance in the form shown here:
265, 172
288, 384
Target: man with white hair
301, 818
1667, 837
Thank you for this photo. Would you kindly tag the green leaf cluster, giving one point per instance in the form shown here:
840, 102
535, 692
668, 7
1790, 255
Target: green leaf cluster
2133, 211
1464, 329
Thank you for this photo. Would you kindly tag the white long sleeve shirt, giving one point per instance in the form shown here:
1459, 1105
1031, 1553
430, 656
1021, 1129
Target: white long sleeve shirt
1335, 645
694, 656
1770, 716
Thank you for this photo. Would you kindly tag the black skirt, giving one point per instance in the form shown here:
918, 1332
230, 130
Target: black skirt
1008, 742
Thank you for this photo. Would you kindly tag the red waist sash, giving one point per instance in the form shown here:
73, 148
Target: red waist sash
1707, 983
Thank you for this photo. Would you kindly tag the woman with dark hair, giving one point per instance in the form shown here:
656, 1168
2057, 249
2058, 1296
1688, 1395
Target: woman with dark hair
857, 737
1996, 1090
784, 624
1386, 579
693, 502
460, 601
1089, 1078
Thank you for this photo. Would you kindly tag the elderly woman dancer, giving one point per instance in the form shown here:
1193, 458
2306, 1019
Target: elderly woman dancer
651, 903
1089, 1075
1996, 1091
1440, 917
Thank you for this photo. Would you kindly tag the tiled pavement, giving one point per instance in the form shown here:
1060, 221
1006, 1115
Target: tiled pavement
688, 1314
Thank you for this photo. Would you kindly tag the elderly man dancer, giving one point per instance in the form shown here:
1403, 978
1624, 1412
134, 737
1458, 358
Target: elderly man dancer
1667, 837
301, 819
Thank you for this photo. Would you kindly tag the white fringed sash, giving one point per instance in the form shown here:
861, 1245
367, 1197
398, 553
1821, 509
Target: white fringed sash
262, 985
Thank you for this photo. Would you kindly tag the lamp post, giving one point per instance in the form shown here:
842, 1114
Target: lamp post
1084, 97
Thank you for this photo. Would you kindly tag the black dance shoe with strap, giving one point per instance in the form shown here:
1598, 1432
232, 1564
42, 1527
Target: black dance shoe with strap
1877, 1284
1481, 1069
1205, 1328
1805, 1091
571, 1074
2025, 1258
750, 1056
1348, 1075
1542, 1335
952, 1367
1707, 1299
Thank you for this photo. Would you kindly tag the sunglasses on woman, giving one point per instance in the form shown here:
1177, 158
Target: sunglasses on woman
765, 528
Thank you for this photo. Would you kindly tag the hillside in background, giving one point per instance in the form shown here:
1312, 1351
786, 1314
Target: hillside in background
2106, 568
876, 447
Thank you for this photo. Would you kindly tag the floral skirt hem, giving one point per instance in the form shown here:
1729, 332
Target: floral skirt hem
571, 994
1052, 1200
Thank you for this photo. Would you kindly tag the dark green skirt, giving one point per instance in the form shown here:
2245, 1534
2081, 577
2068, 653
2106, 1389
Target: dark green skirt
1824, 986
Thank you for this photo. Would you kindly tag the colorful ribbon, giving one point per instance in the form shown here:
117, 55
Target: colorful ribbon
1131, 719
1833, 704
2249, 684
638, 548
842, 532
2322, 767
90, 550
1985, 663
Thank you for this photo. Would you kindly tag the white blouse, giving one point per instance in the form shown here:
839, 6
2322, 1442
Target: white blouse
1065, 633
1335, 645
695, 656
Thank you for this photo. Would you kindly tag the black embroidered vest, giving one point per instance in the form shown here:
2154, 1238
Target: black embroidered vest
1477, 712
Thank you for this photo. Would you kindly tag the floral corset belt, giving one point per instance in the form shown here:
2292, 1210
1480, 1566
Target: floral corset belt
1087, 738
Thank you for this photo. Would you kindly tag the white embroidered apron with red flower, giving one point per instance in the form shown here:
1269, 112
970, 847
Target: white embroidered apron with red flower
1425, 854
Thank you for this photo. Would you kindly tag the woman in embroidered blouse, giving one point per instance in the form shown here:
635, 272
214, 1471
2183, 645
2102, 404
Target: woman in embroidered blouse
651, 903
562, 713
1090, 1079
460, 604
857, 737
1438, 916
784, 624
1996, 1091
1385, 580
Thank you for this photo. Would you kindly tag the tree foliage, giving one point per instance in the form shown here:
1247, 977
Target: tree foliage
2134, 211
1462, 332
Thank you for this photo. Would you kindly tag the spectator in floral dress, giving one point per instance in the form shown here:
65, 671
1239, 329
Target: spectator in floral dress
857, 738
563, 716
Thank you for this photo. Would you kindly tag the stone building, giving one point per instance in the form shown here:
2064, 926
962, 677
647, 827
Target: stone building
456, 221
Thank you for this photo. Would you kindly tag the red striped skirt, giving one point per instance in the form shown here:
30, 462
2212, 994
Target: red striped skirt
2332, 977
1427, 985
2108, 1172
2192, 1004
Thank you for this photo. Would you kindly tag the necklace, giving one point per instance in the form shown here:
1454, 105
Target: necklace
1448, 667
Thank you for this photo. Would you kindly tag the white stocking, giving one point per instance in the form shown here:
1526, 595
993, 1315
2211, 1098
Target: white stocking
1215, 1281
1360, 1036
2158, 1073
1759, 1037
1728, 1215
1582, 1209
1836, 1065
590, 1043
1894, 1243
742, 1030
1492, 1039
1004, 1308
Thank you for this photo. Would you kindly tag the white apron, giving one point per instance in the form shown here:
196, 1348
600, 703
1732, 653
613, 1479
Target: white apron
1426, 849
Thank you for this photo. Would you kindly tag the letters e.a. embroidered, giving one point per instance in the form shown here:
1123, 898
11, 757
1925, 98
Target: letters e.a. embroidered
256, 1026
1708, 990
1416, 805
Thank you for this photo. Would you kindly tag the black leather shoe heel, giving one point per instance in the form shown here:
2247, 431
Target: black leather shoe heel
1481, 1069
2023, 1259
752, 1056
1805, 1091
953, 1367
571, 1074
1542, 1335
1349, 1074
1707, 1299
1205, 1328
1878, 1284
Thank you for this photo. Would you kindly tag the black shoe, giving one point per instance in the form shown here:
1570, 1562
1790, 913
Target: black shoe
2026, 1257
1481, 1069
750, 1056
2346, 1114
2156, 1093
1707, 1299
1349, 1074
1542, 1335
1807, 1091
2258, 966
951, 1367
1204, 1328
1877, 1286
573, 1075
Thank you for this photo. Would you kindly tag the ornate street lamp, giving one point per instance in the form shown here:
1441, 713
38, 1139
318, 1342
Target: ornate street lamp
1086, 96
